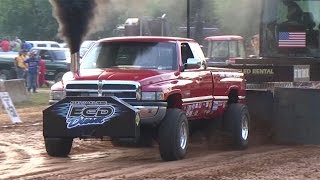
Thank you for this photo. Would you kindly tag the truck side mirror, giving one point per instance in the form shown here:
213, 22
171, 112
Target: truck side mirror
192, 63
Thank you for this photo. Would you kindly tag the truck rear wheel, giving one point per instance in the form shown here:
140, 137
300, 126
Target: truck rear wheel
58, 147
237, 116
173, 135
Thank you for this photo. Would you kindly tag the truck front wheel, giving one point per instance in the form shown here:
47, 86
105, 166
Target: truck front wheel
58, 147
173, 135
237, 116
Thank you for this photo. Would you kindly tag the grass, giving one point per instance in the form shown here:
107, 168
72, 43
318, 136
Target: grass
35, 99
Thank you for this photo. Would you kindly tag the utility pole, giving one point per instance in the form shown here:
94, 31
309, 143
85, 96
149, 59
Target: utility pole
188, 18
198, 36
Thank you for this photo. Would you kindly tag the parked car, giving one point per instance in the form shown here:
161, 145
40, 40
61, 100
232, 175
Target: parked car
63, 45
7, 67
44, 44
85, 46
57, 61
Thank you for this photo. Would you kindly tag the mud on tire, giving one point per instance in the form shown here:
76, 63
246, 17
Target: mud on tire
173, 135
58, 147
238, 120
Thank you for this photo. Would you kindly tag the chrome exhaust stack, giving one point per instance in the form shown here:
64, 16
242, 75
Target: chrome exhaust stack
75, 62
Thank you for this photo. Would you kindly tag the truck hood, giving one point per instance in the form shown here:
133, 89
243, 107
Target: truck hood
138, 75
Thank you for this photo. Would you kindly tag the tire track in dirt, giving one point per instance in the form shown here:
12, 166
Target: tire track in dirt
19, 159
235, 165
193, 166
140, 164
85, 164
23, 156
197, 160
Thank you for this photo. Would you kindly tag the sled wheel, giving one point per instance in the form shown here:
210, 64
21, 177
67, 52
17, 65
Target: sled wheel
58, 147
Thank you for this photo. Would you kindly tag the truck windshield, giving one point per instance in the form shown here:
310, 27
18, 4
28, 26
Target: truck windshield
144, 55
218, 49
290, 28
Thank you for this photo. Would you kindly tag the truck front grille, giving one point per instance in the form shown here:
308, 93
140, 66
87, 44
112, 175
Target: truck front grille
125, 90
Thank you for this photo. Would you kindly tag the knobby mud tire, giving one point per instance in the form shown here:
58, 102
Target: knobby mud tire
173, 135
238, 118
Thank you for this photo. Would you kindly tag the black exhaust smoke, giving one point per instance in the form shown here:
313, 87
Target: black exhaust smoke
74, 17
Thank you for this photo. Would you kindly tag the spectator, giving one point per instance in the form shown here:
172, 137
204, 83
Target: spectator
21, 67
42, 73
16, 45
18, 40
5, 45
27, 46
33, 63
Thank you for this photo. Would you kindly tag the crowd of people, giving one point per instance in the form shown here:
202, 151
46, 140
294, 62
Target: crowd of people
7, 45
28, 64
31, 68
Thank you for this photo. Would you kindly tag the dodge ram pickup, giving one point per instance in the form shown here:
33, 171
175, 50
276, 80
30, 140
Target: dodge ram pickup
137, 90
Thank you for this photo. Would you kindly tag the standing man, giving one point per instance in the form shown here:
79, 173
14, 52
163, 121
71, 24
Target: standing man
21, 67
42, 73
33, 66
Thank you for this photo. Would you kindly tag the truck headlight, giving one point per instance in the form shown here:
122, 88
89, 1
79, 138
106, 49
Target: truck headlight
56, 95
152, 96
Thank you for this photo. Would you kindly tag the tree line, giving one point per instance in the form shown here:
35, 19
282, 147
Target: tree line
33, 19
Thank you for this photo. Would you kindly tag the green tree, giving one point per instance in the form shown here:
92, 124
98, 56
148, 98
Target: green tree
30, 20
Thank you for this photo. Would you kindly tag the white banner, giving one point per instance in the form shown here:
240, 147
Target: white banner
9, 107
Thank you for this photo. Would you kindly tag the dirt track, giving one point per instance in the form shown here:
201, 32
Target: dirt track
22, 155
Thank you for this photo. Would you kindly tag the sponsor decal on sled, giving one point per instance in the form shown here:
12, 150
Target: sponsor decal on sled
86, 113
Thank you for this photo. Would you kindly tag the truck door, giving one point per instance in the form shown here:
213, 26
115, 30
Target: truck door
197, 95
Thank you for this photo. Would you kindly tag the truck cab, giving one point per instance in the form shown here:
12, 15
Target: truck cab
224, 49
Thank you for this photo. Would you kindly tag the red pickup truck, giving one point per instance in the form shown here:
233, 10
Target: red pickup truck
137, 90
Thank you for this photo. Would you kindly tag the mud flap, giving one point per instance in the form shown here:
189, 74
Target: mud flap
91, 117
